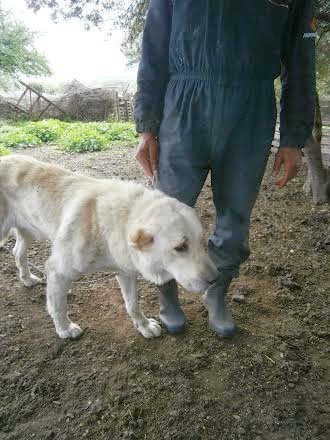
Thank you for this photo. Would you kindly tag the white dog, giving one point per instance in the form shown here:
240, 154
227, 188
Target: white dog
94, 225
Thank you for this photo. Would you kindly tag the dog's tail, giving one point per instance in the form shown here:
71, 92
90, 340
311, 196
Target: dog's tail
4, 226
4, 241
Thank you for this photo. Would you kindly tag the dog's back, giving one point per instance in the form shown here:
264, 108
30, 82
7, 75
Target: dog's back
18, 171
36, 196
33, 194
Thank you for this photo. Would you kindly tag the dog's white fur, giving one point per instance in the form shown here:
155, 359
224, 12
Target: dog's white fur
95, 225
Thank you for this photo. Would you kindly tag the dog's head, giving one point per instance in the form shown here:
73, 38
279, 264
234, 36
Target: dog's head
166, 242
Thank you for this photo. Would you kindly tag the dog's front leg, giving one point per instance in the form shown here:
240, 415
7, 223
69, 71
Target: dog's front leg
149, 328
57, 291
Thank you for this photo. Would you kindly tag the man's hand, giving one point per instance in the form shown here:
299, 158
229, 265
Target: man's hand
147, 153
290, 159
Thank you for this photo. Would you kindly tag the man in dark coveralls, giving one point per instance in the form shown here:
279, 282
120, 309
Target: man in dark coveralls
205, 103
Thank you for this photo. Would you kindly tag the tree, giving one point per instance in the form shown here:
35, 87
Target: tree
17, 54
318, 178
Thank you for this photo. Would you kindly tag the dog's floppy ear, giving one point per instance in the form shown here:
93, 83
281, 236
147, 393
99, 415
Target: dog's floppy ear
140, 239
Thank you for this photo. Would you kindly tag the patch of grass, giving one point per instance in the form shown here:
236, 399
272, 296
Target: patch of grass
69, 136
4, 151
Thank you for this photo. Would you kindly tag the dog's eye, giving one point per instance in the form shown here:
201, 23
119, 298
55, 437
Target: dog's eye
183, 247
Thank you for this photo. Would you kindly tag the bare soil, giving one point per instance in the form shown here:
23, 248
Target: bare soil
269, 382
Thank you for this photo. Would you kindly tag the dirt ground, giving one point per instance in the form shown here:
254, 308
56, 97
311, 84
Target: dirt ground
269, 382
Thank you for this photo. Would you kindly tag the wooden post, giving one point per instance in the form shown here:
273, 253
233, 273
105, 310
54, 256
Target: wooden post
76, 102
105, 109
22, 96
126, 110
132, 106
117, 106
30, 109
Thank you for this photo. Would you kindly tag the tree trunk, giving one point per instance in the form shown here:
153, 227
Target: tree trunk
318, 178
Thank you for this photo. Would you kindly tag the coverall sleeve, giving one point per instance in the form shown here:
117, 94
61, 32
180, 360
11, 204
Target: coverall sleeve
154, 66
298, 76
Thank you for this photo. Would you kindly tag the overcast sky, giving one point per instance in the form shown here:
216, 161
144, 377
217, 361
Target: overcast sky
72, 51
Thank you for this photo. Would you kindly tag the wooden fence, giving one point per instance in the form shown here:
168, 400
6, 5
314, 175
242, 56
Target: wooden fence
77, 102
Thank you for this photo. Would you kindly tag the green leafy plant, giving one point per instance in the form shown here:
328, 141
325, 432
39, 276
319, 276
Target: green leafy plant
18, 138
81, 139
4, 151
81, 143
48, 131
69, 136
124, 132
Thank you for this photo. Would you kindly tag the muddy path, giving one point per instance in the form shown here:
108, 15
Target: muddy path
270, 382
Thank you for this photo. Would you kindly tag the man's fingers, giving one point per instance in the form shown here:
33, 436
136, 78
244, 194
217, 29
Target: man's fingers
142, 157
290, 159
147, 167
282, 182
293, 171
147, 153
277, 164
290, 173
153, 154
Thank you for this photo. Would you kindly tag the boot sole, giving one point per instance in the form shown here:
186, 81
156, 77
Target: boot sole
226, 332
175, 329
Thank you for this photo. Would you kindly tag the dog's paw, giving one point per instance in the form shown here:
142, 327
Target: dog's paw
72, 331
31, 281
149, 328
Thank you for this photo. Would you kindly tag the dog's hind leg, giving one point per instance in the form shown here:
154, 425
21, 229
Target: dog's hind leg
57, 291
149, 328
20, 251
